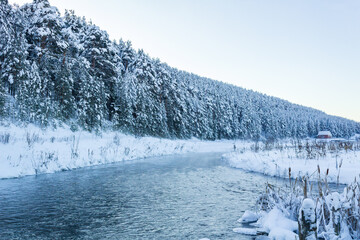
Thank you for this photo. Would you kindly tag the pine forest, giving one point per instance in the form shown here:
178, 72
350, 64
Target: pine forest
58, 69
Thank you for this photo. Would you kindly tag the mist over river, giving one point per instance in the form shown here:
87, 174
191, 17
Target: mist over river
188, 196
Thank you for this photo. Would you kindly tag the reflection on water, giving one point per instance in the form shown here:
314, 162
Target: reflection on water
174, 197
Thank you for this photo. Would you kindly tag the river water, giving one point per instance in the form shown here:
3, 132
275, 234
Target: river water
191, 196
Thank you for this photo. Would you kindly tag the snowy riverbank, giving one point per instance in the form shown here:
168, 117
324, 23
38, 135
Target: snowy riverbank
277, 161
30, 150
305, 209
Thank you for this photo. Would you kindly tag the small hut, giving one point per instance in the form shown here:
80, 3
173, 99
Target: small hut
324, 135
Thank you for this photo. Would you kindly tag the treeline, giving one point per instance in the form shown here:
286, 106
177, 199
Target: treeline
64, 69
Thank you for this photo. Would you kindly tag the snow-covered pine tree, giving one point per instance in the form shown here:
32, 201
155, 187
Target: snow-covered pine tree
15, 66
104, 65
125, 91
48, 50
35, 104
126, 54
89, 93
160, 95
177, 115
5, 31
125, 118
144, 73
91, 104
4, 39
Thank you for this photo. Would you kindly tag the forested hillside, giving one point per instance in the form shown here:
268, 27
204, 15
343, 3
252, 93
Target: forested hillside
64, 69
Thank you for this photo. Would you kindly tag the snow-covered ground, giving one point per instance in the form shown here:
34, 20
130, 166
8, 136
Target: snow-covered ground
30, 150
276, 162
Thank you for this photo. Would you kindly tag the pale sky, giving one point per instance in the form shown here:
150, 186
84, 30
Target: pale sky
307, 52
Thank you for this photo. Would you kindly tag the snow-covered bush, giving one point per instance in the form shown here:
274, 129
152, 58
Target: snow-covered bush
307, 220
286, 200
337, 214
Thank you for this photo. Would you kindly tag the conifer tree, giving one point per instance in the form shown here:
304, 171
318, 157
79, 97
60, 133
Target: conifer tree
5, 38
104, 62
35, 104
126, 111
48, 50
2, 100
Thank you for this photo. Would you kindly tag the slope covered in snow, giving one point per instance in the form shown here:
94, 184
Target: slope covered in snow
30, 150
338, 165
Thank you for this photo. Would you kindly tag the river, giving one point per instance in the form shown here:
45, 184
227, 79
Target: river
190, 196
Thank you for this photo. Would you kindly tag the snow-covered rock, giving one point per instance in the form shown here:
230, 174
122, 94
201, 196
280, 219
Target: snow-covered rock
282, 234
274, 223
246, 231
249, 217
276, 219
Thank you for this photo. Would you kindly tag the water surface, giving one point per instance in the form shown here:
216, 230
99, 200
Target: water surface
191, 196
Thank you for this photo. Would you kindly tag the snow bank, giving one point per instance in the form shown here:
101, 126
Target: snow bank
249, 217
274, 224
285, 211
247, 231
275, 219
277, 163
30, 150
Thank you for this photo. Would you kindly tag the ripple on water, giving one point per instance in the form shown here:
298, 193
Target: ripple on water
174, 197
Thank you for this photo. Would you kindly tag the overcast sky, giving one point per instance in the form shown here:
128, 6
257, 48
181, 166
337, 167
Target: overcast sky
307, 52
